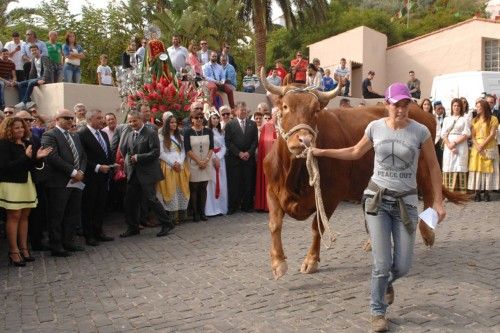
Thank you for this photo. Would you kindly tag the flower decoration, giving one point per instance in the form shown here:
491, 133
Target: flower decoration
162, 95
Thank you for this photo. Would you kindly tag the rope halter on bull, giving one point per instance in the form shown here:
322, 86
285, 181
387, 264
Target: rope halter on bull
312, 168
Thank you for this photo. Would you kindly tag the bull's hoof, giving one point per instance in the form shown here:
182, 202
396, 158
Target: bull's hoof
309, 266
280, 270
367, 246
428, 238
427, 233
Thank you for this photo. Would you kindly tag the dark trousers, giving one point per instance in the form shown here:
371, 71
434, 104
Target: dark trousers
20, 75
240, 183
38, 218
369, 95
135, 191
64, 209
27, 69
346, 87
93, 207
439, 153
198, 197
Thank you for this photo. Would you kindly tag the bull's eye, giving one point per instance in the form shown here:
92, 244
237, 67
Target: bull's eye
285, 108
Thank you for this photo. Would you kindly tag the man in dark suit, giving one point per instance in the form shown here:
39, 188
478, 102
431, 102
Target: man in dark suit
65, 167
99, 162
241, 143
41, 73
141, 148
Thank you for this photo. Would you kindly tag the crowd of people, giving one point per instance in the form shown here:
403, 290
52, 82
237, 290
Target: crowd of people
61, 177
468, 144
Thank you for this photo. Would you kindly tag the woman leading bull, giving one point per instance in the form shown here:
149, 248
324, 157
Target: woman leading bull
391, 195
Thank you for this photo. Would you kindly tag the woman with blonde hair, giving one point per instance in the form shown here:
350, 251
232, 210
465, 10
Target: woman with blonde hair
17, 190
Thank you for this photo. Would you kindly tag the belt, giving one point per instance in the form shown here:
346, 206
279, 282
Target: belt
372, 204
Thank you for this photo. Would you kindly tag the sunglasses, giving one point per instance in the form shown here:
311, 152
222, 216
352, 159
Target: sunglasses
198, 108
67, 118
203, 43
199, 117
225, 114
29, 120
8, 112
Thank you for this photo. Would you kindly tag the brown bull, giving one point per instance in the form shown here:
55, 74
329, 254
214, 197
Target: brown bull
288, 189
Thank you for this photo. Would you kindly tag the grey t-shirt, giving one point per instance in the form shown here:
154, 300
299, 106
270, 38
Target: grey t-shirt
396, 156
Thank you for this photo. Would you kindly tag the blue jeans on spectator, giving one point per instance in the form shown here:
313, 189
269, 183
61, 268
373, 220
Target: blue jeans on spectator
249, 89
25, 89
58, 73
72, 73
389, 263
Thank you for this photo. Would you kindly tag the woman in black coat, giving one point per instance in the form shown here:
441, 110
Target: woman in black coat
17, 191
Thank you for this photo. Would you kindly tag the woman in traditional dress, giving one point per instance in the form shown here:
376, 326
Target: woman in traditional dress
199, 145
173, 190
266, 140
483, 160
217, 186
17, 190
454, 134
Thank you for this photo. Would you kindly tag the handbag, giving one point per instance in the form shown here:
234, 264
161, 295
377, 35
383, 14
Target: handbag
119, 174
489, 153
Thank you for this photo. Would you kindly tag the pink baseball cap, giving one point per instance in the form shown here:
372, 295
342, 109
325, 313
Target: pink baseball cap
396, 92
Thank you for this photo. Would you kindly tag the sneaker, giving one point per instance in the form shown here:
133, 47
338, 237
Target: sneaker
20, 106
29, 105
389, 294
379, 324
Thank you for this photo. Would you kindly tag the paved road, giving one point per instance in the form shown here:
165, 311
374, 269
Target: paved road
215, 277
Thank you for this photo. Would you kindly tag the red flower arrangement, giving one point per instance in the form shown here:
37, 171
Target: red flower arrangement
163, 95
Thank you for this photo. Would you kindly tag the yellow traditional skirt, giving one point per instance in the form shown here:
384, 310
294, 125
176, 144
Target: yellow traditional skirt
15, 196
173, 191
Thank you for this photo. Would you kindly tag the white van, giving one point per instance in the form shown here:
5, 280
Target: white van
470, 85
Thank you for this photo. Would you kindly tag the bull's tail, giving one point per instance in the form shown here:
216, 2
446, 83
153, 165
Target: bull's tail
455, 197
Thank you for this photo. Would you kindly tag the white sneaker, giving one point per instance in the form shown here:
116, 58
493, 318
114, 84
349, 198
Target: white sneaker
29, 105
20, 106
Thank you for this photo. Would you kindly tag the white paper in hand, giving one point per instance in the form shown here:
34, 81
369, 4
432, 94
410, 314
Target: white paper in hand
430, 217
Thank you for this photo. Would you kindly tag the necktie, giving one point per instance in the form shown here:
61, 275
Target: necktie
243, 126
101, 142
134, 136
76, 159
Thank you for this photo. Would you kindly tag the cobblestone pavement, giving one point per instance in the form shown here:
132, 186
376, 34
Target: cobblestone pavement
215, 277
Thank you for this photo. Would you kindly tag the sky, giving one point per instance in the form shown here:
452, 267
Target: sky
76, 5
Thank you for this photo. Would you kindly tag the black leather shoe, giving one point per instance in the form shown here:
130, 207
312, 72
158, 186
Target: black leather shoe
59, 253
487, 197
129, 232
73, 248
104, 238
477, 197
196, 218
203, 217
163, 232
91, 242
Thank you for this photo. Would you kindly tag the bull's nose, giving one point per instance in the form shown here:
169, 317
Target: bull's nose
305, 140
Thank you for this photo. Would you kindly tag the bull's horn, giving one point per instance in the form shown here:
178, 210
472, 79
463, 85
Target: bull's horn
269, 86
325, 97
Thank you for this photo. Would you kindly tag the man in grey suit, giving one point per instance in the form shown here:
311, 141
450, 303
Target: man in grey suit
141, 148
64, 167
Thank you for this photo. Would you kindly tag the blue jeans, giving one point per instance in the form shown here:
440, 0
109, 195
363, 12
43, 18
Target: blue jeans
72, 73
25, 89
389, 262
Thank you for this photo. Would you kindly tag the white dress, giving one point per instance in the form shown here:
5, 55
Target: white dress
454, 127
217, 206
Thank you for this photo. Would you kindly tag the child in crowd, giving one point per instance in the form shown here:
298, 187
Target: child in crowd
104, 72
250, 81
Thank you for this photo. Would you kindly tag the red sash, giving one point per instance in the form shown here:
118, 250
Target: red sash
217, 182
